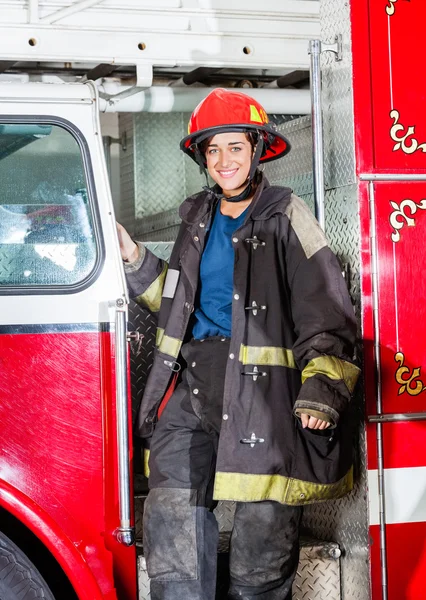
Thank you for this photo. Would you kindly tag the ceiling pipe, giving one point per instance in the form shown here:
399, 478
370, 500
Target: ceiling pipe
164, 99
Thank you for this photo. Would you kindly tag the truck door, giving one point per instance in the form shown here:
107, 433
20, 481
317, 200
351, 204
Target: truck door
61, 284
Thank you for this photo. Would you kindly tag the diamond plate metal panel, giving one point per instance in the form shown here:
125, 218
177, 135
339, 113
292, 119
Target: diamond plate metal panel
342, 229
194, 180
159, 183
317, 577
161, 227
310, 201
143, 580
141, 352
337, 96
161, 249
156, 223
294, 170
166, 235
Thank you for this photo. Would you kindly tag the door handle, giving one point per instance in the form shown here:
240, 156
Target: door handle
125, 533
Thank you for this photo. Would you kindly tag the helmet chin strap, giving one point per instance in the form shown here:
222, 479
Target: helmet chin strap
248, 189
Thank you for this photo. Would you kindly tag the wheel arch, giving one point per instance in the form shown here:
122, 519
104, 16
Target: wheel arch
40, 537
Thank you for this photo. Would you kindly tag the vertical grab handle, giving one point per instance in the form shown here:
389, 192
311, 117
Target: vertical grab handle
316, 47
125, 533
317, 131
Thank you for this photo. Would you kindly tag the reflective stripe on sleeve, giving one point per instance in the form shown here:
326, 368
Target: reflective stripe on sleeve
334, 368
151, 298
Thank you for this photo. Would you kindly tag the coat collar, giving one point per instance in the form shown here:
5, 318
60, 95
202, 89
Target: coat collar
268, 201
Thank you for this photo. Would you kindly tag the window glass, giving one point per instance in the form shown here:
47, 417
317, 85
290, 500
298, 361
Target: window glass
46, 226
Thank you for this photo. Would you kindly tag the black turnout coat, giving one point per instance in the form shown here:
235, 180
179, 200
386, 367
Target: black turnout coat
293, 333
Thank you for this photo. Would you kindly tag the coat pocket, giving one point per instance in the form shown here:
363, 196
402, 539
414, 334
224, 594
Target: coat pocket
322, 456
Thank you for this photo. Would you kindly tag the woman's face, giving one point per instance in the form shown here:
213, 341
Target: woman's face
229, 157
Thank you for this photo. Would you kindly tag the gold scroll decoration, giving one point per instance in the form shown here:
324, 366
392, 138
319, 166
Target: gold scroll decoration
404, 141
411, 384
399, 218
390, 8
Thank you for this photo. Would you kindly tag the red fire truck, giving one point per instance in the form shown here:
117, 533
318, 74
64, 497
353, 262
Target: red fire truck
68, 504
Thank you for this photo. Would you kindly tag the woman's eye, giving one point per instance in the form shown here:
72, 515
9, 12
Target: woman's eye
236, 149
212, 150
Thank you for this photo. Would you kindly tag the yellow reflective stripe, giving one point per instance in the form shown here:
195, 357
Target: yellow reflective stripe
151, 298
146, 454
159, 336
168, 345
267, 355
248, 487
334, 368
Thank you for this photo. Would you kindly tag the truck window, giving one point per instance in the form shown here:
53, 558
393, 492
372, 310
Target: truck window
46, 223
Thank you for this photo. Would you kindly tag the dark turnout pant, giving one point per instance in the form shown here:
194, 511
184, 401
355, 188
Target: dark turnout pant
180, 530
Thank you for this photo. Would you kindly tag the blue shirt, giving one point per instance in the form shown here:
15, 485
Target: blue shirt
213, 315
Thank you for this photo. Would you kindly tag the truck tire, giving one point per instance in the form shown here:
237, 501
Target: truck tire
19, 579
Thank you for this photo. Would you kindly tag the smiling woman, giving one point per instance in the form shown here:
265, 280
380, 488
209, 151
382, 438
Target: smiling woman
229, 157
254, 315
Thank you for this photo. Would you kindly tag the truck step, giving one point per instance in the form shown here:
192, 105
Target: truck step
318, 574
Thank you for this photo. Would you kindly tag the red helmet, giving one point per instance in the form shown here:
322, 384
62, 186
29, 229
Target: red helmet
223, 111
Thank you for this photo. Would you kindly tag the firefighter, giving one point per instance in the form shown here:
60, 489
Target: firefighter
256, 325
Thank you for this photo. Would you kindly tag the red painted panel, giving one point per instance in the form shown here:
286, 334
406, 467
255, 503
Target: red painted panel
52, 536
361, 72
58, 443
401, 231
404, 444
406, 555
387, 67
397, 61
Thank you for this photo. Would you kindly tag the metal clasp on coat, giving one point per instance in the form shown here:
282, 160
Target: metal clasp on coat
252, 440
255, 307
255, 373
255, 242
173, 365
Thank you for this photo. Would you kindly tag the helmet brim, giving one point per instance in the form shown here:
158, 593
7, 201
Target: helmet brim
276, 145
